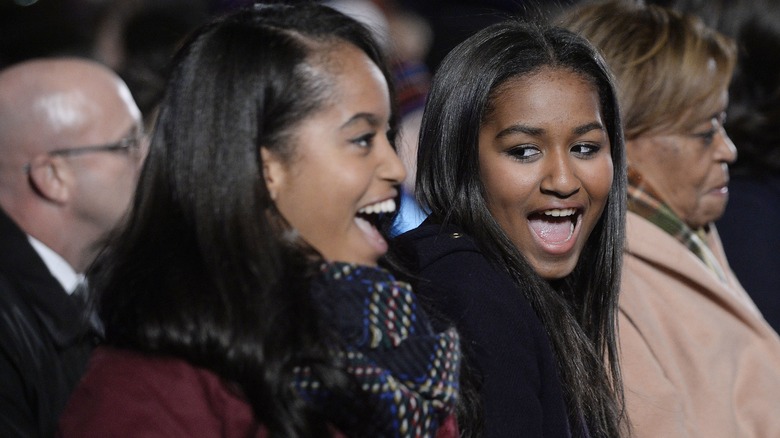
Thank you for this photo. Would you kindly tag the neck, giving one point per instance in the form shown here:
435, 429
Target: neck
75, 246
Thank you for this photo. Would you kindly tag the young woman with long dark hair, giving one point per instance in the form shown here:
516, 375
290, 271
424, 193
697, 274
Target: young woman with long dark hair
521, 165
244, 297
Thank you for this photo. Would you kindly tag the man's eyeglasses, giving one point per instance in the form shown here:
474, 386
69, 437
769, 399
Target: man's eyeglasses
129, 144
125, 144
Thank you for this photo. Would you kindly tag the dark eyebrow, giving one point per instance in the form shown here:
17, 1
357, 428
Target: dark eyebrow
584, 129
371, 119
536, 132
520, 129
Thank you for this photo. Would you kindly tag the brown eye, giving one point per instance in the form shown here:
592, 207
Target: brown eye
707, 137
364, 141
585, 149
523, 153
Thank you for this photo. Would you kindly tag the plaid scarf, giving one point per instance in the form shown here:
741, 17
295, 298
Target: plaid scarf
644, 201
408, 374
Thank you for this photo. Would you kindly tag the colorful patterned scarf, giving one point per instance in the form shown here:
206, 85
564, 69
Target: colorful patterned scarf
644, 201
408, 372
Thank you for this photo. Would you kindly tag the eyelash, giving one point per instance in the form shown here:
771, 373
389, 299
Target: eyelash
592, 149
707, 137
391, 134
518, 152
368, 139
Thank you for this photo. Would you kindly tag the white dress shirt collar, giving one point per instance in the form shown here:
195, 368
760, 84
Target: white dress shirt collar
58, 267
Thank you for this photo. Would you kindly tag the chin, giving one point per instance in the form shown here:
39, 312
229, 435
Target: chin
364, 261
552, 273
703, 221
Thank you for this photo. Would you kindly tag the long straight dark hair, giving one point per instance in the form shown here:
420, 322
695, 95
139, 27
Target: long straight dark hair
202, 271
579, 311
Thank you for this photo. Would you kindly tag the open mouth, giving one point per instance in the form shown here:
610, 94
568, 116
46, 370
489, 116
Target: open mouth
555, 226
367, 220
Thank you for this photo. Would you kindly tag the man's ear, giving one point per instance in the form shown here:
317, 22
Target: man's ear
51, 177
273, 171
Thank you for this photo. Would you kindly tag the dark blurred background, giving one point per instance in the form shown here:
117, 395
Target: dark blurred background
95, 28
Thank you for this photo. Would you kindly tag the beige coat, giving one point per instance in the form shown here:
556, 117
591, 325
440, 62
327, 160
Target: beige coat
698, 359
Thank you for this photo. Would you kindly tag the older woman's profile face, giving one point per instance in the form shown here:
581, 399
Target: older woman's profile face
344, 172
689, 171
545, 164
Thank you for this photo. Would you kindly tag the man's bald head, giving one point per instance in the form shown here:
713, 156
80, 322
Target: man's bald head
67, 201
51, 104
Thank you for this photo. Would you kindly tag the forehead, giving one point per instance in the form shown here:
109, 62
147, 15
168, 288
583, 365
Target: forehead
547, 93
351, 81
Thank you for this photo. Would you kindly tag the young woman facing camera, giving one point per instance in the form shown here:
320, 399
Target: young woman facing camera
521, 163
545, 163
244, 298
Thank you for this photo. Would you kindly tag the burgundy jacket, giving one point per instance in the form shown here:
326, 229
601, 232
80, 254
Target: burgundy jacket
126, 393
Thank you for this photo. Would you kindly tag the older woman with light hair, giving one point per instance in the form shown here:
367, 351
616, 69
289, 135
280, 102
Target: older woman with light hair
697, 357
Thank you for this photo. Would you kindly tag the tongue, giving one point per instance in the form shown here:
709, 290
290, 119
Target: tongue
372, 235
552, 230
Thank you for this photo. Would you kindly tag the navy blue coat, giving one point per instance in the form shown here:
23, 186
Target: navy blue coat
502, 335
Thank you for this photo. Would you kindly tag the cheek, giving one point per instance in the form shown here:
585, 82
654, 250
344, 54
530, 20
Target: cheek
681, 170
118, 175
507, 193
321, 202
301, 205
685, 181
503, 179
603, 178
494, 185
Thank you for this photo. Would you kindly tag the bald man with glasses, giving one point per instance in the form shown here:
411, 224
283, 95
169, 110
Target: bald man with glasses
71, 146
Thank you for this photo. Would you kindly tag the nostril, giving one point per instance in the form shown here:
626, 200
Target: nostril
561, 191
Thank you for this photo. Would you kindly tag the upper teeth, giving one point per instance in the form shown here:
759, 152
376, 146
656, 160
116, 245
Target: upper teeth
387, 206
558, 212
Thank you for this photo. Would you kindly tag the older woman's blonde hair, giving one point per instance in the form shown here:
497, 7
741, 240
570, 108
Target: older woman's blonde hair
671, 69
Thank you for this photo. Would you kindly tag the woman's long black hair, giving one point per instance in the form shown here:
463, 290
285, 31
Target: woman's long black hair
579, 311
201, 271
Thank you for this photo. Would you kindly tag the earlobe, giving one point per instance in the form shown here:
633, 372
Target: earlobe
273, 171
51, 178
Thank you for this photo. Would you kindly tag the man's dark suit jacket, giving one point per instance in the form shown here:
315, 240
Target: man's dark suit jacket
45, 339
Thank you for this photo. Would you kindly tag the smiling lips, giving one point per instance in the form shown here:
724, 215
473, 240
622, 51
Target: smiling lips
555, 228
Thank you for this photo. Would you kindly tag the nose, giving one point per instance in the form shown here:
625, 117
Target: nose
390, 167
726, 151
559, 178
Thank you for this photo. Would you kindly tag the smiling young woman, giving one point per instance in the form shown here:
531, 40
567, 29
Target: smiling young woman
344, 172
246, 295
521, 164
